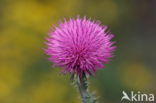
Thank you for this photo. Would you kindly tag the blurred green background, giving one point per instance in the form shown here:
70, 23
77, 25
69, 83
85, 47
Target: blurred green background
26, 76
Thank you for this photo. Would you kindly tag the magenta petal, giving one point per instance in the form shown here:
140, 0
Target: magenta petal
80, 46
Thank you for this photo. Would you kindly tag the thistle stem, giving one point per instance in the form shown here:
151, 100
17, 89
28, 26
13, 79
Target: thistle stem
82, 85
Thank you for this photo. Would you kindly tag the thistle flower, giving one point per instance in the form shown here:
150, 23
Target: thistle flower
80, 46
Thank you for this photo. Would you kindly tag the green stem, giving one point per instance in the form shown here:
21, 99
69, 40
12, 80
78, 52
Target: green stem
82, 85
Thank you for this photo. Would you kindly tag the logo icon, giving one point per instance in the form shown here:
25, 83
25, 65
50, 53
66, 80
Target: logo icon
137, 96
125, 96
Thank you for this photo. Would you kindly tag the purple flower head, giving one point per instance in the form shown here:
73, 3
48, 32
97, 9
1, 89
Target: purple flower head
80, 46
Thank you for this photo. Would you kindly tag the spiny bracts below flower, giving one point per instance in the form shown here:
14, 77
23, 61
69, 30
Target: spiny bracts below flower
80, 46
